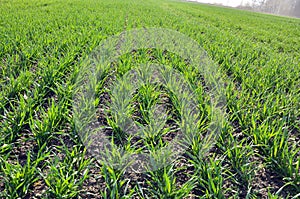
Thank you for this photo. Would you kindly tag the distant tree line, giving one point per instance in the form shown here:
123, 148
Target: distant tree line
281, 7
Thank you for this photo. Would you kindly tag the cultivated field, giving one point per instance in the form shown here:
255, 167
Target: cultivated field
44, 47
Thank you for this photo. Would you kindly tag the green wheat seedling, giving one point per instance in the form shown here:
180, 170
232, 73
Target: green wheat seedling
15, 120
147, 97
65, 178
155, 129
116, 185
209, 177
286, 159
163, 185
120, 109
239, 156
50, 122
13, 87
19, 178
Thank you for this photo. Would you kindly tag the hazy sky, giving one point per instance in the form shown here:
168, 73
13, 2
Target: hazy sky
225, 2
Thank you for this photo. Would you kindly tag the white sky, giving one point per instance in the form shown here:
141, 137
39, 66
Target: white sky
225, 2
